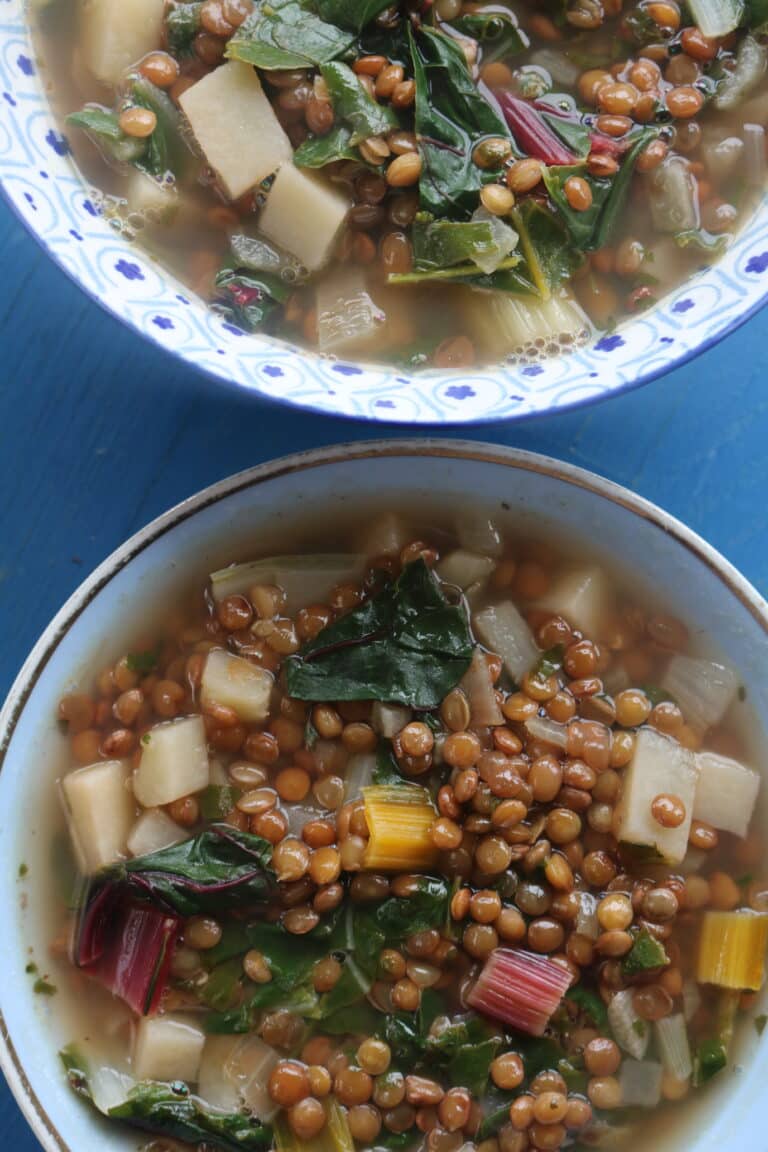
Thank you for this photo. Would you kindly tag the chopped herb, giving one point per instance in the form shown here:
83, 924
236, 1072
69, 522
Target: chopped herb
760, 1023
646, 954
42, 987
23, 871
31, 969
142, 662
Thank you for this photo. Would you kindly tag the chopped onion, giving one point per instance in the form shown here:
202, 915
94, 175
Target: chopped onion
703, 689
754, 154
691, 999
478, 685
751, 60
674, 196
389, 719
154, 830
674, 1047
717, 17
478, 533
629, 1030
722, 157
541, 728
640, 1082
360, 769
586, 923
464, 568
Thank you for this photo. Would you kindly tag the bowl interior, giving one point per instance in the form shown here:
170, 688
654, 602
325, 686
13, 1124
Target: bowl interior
42, 183
521, 490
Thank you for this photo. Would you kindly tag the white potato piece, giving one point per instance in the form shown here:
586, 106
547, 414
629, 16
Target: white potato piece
237, 684
100, 812
659, 765
387, 535
303, 215
463, 568
155, 199
117, 33
703, 689
725, 793
174, 762
153, 831
502, 629
347, 315
235, 126
478, 533
304, 579
582, 596
168, 1048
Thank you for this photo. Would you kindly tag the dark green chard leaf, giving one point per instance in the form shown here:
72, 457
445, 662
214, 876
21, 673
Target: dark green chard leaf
451, 115
250, 300
405, 644
171, 1110
254, 253
710, 1057
218, 800
386, 771
143, 662
573, 133
166, 151
182, 24
317, 151
354, 14
287, 34
354, 106
646, 954
590, 1003
497, 33
101, 125
447, 243
550, 258
465, 1049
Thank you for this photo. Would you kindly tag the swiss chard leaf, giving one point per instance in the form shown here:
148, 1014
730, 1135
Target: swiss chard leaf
287, 34
591, 1004
573, 132
171, 1110
447, 243
165, 150
405, 644
102, 126
497, 33
249, 300
182, 24
353, 104
220, 868
354, 14
317, 151
550, 257
451, 115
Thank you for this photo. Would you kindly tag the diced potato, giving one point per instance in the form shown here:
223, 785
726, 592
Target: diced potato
389, 719
304, 579
237, 684
303, 215
174, 762
168, 1048
387, 535
153, 831
117, 33
703, 689
502, 629
214, 1086
155, 199
100, 811
582, 596
347, 316
659, 766
478, 533
725, 793
464, 568
235, 126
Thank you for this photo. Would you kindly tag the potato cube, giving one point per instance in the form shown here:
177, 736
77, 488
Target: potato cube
118, 33
303, 215
235, 126
168, 1048
237, 684
174, 762
100, 811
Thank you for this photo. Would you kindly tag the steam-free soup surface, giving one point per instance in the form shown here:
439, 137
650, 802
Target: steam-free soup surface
442, 839
426, 184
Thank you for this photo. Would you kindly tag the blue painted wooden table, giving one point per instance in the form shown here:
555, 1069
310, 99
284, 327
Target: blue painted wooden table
100, 432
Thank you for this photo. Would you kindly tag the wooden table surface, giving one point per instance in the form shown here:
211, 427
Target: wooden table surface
100, 432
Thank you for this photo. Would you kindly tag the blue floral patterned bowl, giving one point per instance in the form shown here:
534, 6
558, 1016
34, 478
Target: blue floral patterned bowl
43, 185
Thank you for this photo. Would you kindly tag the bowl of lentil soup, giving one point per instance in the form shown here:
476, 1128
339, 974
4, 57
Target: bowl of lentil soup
425, 213
442, 831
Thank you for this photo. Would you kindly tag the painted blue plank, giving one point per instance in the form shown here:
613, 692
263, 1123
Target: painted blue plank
100, 432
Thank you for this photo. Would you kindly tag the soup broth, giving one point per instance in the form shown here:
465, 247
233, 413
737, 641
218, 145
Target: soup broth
438, 839
430, 185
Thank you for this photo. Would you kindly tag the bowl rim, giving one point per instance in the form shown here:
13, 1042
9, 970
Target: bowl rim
21, 691
650, 344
